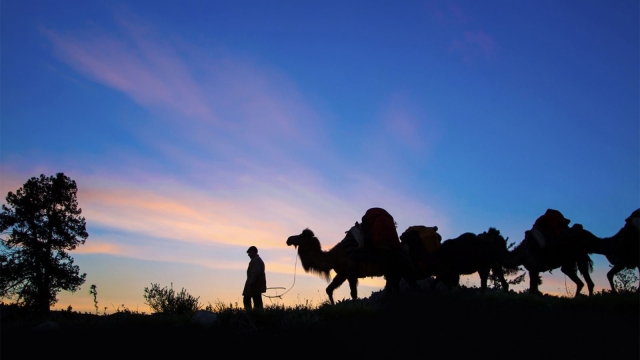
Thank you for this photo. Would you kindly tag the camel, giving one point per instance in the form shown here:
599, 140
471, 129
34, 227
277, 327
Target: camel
350, 262
622, 250
419, 242
467, 254
566, 253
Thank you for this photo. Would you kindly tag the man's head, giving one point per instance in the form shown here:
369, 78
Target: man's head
252, 251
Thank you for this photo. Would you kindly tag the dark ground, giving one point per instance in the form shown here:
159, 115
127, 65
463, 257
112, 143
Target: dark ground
422, 325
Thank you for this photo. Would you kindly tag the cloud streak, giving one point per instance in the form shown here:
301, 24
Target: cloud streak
149, 74
473, 44
228, 95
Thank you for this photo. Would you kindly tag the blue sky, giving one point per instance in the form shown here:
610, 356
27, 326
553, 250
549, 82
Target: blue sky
196, 129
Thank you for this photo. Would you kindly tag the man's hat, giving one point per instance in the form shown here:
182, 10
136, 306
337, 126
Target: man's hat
252, 248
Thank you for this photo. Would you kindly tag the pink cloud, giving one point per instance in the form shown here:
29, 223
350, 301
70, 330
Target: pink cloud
402, 135
231, 107
456, 11
446, 11
407, 123
150, 74
99, 247
474, 44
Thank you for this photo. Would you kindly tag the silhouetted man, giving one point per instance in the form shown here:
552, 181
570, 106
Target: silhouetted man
256, 283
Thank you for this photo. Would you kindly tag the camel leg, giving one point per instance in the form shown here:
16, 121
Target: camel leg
497, 271
484, 276
435, 282
392, 286
455, 281
614, 270
583, 267
335, 283
411, 279
571, 273
533, 282
449, 279
412, 282
353, 285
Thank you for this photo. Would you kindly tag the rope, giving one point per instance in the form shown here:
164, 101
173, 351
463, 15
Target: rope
294, 282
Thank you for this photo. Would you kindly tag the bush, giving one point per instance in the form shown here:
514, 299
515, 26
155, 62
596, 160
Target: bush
167, 301
626, 280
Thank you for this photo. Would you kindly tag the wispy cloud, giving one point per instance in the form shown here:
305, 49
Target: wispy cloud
446, 11
471, 44
151, 75
408, 124
228, 94
148, 217
474, 44
268, 209
98, 246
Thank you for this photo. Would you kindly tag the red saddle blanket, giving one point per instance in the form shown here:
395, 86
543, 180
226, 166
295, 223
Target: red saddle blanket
380, 229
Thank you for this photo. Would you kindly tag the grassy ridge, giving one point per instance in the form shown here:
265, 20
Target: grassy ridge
234, 318
458, 323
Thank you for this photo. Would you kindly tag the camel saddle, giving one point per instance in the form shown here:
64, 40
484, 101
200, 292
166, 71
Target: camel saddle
379, 229
428, 235
356, 233
550, 226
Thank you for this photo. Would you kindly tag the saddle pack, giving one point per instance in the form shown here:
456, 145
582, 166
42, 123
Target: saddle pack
379, 229
428, 236
549, 227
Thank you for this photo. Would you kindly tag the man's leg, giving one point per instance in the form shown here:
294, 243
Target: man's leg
257, 301
246, 300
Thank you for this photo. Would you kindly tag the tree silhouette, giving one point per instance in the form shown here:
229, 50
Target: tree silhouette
41, 223
508, 272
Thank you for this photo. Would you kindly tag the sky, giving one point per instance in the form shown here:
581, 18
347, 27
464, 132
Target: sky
195, 129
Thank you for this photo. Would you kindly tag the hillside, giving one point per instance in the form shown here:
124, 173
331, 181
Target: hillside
459, 324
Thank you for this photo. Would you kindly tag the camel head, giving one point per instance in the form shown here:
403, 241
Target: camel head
305, 237
516, 257
578, 233
634, 220
311, 255
582, 238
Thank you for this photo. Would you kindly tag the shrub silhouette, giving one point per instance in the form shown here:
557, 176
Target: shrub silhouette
625, 281
167, 301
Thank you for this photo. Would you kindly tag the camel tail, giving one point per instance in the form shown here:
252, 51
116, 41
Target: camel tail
589, 263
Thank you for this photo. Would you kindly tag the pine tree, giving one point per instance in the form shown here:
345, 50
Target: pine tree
40, 222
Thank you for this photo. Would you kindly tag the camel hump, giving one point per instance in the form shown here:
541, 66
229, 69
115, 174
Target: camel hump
428, 235
380, 229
